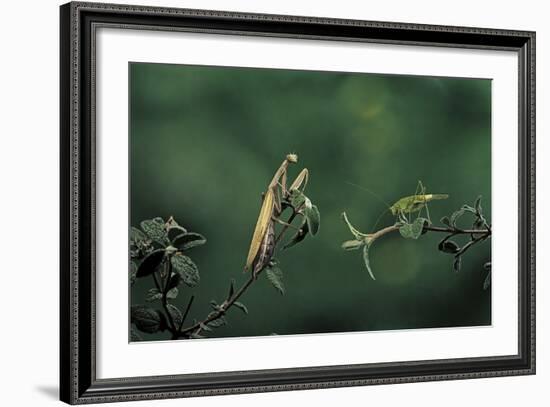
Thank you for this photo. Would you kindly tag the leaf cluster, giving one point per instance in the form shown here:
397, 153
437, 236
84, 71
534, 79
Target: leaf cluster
159, 250
479, 231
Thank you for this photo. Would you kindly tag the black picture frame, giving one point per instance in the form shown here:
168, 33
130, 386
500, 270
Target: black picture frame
78, 382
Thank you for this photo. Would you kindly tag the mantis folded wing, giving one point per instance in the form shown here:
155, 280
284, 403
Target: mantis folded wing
262, 245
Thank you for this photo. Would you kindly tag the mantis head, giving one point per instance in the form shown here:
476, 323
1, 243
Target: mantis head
292, 158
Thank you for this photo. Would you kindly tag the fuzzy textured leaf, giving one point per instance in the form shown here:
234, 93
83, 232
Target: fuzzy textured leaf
137, 237
412, 230
297, 198
218, 322
241, 306
152, 295
146, 319
313, 218
172, 294
188, 270
448, 246
134, 335
455, 216
275, 276
150, 263
174, 231
174, 281
446, 221
298, 236
155, 229
367, 261
186, 241
175, 313
133, 272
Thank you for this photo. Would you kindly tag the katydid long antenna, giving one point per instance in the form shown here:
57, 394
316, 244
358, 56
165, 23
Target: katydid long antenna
377, 197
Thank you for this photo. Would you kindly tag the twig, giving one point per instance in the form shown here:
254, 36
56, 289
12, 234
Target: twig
452, 231
165, 302
231, 300
186, 312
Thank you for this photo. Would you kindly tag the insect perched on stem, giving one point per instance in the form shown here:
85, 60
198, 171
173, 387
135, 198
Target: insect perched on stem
415, 203
402, 209
407, 205
263, 241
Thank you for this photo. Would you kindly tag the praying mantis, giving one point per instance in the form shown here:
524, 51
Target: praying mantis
263, 241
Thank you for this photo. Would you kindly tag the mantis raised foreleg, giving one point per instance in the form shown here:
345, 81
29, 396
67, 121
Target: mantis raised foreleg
263, 240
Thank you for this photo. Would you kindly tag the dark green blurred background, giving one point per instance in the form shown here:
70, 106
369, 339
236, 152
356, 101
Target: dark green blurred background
205, 142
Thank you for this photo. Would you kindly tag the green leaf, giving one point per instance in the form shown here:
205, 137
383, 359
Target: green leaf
174, 281
146, 319
150, 263
205, 327
174, 231
188, 240
275, 276
448, 246
175, 313
152, 295
133, 272
134, 335
457, 264
137, 237
487, 281
297, 198
455, 216
412, 230
154, 228
446, 221
218, 322
477, 205
172, 294
313, 218
358, 235
298, 236
241, 306
188, 270
468, 208
367, 261
478, 224
196, 336
352, 244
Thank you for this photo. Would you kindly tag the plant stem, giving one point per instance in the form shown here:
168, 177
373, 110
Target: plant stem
174, 328
186, 312
231, 300
452, 231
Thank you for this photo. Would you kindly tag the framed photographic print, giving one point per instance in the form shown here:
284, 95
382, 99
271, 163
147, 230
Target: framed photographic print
257, 203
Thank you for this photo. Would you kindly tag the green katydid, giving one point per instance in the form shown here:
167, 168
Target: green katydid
402, 209
263, 241
407, 205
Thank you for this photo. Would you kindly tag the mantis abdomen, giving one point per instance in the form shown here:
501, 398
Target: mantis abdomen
265, 253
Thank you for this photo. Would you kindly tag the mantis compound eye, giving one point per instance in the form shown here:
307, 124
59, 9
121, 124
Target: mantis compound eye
293, 158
